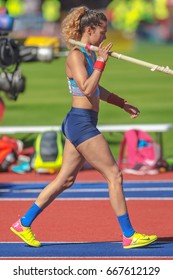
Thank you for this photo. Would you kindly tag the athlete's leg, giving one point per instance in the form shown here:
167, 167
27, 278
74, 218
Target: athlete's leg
97, 152
72, 163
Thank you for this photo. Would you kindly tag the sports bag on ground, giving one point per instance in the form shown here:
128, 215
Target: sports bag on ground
48, 152
138, 148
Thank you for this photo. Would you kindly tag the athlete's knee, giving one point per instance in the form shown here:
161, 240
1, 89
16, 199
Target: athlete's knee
69, 182
116, 176
119, 176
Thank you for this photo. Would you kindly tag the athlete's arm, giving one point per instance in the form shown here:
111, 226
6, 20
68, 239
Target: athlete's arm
76, 69
116, 100
76, 65
111, 98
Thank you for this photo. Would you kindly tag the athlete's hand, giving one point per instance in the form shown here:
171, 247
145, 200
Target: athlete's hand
132, 110
103, 52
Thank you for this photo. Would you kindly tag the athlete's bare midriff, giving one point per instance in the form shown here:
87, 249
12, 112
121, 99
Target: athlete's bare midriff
83, 102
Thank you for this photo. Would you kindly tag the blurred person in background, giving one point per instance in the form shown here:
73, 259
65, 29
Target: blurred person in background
51, 11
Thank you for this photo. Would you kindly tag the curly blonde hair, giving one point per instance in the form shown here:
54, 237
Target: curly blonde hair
77, 19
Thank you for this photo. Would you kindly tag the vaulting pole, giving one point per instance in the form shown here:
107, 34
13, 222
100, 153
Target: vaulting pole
153, 67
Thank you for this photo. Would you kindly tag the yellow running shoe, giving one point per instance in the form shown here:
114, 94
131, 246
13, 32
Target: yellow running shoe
138, 240
25, 233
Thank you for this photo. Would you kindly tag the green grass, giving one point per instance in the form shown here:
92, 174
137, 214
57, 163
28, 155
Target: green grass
46, 99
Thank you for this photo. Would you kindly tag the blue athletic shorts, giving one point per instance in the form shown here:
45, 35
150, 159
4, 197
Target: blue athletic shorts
80, 125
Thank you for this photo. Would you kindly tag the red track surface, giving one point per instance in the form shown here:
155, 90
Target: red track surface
87, 175
72, 221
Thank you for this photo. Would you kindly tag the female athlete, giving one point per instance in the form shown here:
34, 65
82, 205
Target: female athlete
83, 140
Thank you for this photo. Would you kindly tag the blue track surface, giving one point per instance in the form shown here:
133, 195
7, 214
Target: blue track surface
133, 190
86, 250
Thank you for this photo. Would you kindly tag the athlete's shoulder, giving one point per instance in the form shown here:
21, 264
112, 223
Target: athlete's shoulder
75, 54
75, 51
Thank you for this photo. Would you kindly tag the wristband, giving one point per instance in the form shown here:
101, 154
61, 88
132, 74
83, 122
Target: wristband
116, 100
99, 64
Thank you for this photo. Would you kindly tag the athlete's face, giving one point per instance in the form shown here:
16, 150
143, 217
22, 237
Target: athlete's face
98, 34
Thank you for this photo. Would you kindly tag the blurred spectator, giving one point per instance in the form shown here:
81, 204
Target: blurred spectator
99, 4
51, 11
125, 15
149, 19
32, 6
170, 7
15, 7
